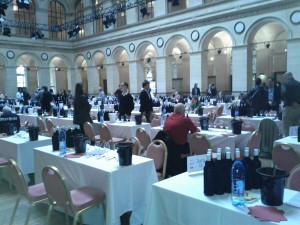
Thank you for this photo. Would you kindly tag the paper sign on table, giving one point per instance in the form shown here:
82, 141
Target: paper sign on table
195, 163
293, 131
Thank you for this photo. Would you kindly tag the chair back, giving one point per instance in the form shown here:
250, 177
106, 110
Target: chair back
136, 149
49, 124
17, 178
155, 122
144, 120
247, 126
294, 178
143, 137
211, 116
220, 110
104, 133
157, 150
285, 157
199, 144
41, 124
269, 133
254, 142
88, 130
56, 188
26, 124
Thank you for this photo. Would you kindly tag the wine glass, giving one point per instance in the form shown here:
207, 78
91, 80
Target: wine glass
261, 113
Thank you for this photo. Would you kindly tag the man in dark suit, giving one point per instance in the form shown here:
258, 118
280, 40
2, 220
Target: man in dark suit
46, 100
195, 90
146, 101
274, 94
126, 101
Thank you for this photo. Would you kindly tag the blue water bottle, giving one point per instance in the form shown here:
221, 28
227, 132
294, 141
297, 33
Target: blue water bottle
238, 182
62, 141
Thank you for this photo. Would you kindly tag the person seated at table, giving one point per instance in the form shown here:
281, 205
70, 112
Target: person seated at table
7, 113
178, 126
126, 101
195, 105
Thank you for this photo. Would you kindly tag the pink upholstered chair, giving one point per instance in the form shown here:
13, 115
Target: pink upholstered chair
89, 132
294, 178
155, 122
211, 116
157, 150
143, 137
4, 165
220, 110
254, 142
34, 194
284, 157
199, 144
105, 136
41, 125
77, 201
136, 149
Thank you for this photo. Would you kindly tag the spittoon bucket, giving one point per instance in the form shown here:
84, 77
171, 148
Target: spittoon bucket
112, 117
200, 111
80, 143
124, 150
138, 119
272, 187
236, 127
33, 133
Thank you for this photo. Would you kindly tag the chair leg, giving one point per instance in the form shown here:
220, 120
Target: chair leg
28, 214
75, 219
15, 210
49, 214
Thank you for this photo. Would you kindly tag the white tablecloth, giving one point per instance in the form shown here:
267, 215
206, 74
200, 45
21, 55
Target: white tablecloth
127, 188
122, 129
219, 139
291, 140
254, 120
21, 150
180, 201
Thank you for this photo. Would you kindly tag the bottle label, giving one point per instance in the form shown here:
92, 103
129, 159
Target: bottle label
239, 188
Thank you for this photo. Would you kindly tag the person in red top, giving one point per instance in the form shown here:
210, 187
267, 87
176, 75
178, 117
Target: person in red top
178, 126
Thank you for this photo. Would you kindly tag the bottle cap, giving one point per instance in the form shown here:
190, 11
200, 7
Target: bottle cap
208, 157
246, 152
227, 155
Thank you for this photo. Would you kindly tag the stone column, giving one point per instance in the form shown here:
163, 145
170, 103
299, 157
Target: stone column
93, 79
240, 80
160, 8
164, 75
113, 78
192, 3
132, 15
293, 56
43, 76
10, 80
195, 73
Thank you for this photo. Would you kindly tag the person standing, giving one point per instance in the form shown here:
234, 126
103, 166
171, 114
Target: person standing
291, 98
211, 90
274, 95
146, 107
126, 101
195, 90
101, 96
46, 100
82, 107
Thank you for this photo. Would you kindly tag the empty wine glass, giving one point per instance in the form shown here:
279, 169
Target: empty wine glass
261, 113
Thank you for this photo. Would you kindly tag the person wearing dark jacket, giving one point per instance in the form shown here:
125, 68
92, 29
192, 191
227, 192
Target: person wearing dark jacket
146, 101
274, 94
14, 118
46, 100
82, 107
126, 101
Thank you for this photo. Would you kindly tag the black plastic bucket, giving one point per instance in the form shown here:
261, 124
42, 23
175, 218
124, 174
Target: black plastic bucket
273, 183
124, 150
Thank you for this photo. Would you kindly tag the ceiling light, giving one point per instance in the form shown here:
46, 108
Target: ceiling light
109, 20
23, 4
75, 31
144, 12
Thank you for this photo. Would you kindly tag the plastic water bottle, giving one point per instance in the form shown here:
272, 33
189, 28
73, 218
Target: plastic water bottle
256, 165
163, 115
248, 164
62, 141
101, 114
206, 102
58, 111
238, 182
209, 176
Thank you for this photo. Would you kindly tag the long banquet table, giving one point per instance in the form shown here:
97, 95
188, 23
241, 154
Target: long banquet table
21, 150
180, 200
127, 188
253, 120
219, 138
